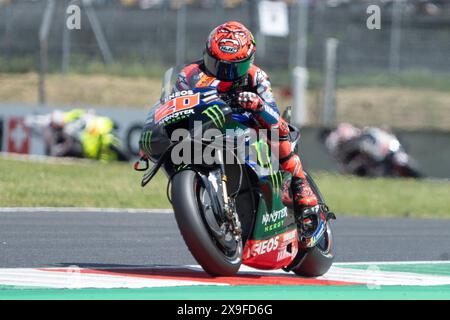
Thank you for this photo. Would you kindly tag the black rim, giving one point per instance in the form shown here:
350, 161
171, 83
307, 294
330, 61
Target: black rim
324, 244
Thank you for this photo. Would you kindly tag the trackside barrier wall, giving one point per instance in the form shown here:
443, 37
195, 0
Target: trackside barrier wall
431, 148
16, 138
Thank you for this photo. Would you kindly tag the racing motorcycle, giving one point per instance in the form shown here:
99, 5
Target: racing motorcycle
229, 212
86, 135
369, 152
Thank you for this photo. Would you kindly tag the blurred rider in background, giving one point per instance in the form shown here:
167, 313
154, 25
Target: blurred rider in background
78, 133
370, 151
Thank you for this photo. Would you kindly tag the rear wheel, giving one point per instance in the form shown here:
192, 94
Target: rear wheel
212, 245
318, 260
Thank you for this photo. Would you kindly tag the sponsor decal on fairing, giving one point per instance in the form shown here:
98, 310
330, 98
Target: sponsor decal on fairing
265, 246
274, 216
179, 101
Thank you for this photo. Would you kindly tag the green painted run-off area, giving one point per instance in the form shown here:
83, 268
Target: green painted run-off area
359, 292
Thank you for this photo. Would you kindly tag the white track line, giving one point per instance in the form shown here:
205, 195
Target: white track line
82, 210
337, 264
73, 277
385, 278
371, 276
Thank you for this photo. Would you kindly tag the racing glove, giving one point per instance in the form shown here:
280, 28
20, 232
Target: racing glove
250, 101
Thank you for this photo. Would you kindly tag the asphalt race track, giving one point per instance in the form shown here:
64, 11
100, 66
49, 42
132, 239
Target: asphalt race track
123, 239
46, 253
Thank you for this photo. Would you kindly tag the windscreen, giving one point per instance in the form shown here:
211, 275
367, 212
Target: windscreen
169, 82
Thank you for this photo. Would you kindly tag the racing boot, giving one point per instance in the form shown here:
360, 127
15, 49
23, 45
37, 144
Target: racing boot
304, 201
307, 211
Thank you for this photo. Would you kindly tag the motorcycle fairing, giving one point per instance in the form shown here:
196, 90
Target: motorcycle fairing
273, 241
273, 253
274, 222
275, 228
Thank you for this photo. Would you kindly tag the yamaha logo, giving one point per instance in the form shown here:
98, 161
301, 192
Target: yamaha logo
228, 49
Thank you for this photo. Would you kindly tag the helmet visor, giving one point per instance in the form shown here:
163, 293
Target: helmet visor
226, 70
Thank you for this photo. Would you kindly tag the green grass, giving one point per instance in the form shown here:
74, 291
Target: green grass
68, 184
414, 79
136, 67
24, 183
16, 64
79, 64
385, 197
125, 68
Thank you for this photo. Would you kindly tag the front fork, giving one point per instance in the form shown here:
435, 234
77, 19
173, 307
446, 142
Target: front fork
219, 156
229, 206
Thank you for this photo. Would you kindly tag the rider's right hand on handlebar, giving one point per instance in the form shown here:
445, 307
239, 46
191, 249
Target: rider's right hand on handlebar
250, 101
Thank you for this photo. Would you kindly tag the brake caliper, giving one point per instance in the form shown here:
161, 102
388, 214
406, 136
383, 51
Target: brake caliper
233, 218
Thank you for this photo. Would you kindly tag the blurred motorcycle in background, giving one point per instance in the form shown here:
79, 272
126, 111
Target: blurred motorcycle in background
78, 133
369, 152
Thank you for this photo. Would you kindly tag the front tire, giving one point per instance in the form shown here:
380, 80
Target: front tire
189, 214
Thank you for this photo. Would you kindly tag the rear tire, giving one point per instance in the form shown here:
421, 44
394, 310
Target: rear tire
317, 261
195, 231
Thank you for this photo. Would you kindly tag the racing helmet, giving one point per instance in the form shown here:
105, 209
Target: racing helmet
229, 52
57, 120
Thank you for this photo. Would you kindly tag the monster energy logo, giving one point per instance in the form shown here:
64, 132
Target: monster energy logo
146, 141
274, 217
213, 113
263, 157
277, 179
182, 167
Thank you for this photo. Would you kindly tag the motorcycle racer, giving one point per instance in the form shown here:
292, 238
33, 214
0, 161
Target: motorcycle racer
368, 151
78, 133
227, 64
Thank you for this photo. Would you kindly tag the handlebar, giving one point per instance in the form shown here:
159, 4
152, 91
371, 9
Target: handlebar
231, 100
238, 110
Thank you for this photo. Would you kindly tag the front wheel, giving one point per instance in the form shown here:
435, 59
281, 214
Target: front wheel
191, 203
